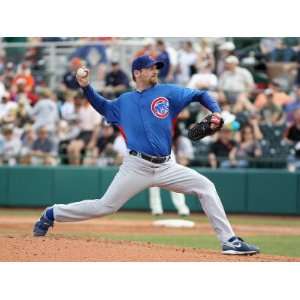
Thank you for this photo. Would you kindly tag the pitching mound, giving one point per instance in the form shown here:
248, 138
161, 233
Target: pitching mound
71, 242
25, 248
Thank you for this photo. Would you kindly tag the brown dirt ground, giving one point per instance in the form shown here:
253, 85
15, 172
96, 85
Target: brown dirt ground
17, 243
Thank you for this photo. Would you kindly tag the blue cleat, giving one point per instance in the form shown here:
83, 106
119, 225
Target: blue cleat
42, 225
237, 246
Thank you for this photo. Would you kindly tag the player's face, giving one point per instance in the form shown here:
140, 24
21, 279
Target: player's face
149, 75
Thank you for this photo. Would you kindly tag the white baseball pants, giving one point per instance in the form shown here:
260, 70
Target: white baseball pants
156, 202
137, 174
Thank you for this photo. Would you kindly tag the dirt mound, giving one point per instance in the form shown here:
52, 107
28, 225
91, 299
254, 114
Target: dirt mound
26, 248
71, 242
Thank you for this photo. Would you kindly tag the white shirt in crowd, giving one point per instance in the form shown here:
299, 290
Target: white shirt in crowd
88, 118
68, 111
10, 149
185, 61
184, 147
240, 80
7, 108
172, 55
45, 113
2, 90
200, 80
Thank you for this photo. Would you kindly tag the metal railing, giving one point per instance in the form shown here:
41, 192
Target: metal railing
56, 54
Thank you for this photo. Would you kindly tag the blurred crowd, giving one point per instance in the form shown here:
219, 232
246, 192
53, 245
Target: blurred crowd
256, 82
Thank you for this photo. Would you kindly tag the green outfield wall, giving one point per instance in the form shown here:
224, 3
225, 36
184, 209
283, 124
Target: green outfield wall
241, 191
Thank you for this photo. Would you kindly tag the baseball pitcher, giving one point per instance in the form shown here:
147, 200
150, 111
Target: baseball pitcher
145, 116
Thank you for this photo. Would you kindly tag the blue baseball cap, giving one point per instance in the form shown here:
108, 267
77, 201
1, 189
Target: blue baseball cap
145, 62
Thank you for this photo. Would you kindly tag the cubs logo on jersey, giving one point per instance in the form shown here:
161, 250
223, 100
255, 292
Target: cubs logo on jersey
160, 107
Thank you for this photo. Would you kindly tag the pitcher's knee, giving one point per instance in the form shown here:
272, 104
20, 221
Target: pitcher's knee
103, 208
111, 209
209, 185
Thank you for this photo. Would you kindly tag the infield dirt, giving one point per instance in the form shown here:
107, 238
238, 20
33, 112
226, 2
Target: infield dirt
17, 243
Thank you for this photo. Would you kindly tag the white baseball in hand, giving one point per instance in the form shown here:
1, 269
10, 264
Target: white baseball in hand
82, 72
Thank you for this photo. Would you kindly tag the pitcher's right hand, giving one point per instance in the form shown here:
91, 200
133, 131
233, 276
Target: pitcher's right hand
83, 76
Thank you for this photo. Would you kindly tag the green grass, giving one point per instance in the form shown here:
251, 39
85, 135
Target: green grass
265, 220
274, 245
278, 245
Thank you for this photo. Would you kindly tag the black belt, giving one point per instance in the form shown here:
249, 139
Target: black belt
154, 159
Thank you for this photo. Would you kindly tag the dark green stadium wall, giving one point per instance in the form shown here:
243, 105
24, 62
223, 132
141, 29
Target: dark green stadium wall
245, 191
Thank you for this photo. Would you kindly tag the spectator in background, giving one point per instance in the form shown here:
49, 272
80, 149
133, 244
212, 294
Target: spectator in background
297, 79
105, 145
222, 151
19, 91
69, 81
187, 61
116, 82
293, 105
274, 95
148, 49
253, 122
173, 56
23, 113
270, 111
2, 60
24, 74
248, 148
225, 49
2, 85
8, 109
292, 136
272, 125
34, 55
88, 120
20, 101
100, 149
182, 147
205, 54
116, 145
268, 44
235, 82
95, 57
282, 53
11, 147
44, 150
67, 109
27, 139
65, 133
204, 79
166, 74
45, 112
8, 75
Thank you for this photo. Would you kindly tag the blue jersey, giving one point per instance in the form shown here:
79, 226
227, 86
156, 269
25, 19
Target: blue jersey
145, 118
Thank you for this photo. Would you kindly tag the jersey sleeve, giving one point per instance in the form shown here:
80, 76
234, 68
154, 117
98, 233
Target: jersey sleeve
110, 109
181, 97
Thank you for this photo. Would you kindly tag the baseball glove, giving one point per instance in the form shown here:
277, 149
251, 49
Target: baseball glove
208, 126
